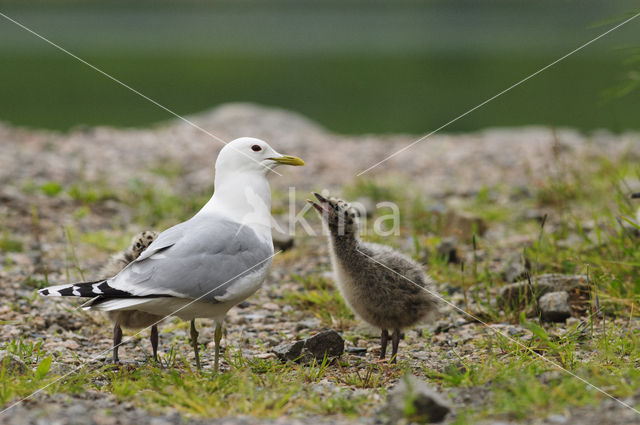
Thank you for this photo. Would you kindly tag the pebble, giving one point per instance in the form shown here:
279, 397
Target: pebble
427, 404
326, 343
554, 306
448, 249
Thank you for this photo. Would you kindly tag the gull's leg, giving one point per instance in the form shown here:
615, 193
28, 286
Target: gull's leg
154, 341
217, 336
384, 338
117, 340
194, 342
395, 341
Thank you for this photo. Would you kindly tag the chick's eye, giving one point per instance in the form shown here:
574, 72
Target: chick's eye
256, 148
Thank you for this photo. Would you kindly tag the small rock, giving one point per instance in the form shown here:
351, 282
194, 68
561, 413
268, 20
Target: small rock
72, 345
11, 363
415, 401
515, 269
572, 322
289, 351
447, 248
463, 225
358, 351
562, 282
281, 241
307, 324
480, 311
328, 343
557, 419
534, 214
554, 306
271, 306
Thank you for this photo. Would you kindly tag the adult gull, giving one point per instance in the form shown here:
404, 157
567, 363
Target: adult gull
204, 266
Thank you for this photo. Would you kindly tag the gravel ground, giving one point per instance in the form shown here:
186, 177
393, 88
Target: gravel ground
443, 166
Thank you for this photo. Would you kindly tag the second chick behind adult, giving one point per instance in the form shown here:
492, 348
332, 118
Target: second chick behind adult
131, 319
384, 287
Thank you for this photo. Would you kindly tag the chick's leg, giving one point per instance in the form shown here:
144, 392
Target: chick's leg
384, 338
395, 341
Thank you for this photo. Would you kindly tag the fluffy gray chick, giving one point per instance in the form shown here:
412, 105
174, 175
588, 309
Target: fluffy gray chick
131, 319
384, 287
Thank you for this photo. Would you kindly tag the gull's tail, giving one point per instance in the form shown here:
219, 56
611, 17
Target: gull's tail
99, 288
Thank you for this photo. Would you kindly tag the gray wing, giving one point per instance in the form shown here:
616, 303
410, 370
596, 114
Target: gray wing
205, 255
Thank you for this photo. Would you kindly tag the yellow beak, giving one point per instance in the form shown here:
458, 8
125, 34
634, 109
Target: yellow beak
288, 160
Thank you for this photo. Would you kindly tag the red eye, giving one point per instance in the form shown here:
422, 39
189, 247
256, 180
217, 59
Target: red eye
256, 148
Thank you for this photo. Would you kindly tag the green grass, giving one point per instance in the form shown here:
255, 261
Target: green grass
260, 387
320, 296
525, 386
8, 244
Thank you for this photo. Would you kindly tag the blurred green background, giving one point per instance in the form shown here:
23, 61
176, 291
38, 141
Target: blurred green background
354, 66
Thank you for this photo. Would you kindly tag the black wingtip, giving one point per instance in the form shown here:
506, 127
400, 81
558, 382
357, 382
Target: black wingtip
44, 292
635, 195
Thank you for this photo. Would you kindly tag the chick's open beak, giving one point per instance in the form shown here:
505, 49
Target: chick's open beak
287, 160
322, 207
320, 197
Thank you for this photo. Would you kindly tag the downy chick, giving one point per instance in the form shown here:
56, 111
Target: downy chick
384, 287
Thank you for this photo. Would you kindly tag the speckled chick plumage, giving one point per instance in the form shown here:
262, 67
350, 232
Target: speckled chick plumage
384, 287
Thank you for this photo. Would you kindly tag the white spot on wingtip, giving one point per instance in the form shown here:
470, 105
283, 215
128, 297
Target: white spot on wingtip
75, 291
96, 290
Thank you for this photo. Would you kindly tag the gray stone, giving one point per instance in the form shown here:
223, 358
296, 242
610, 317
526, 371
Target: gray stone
554, 306
563, 282
307, 324
11, 363
328, 343
358, 351
463, 225
533, 214
447, 248
289, 351
515, 269
414, 401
